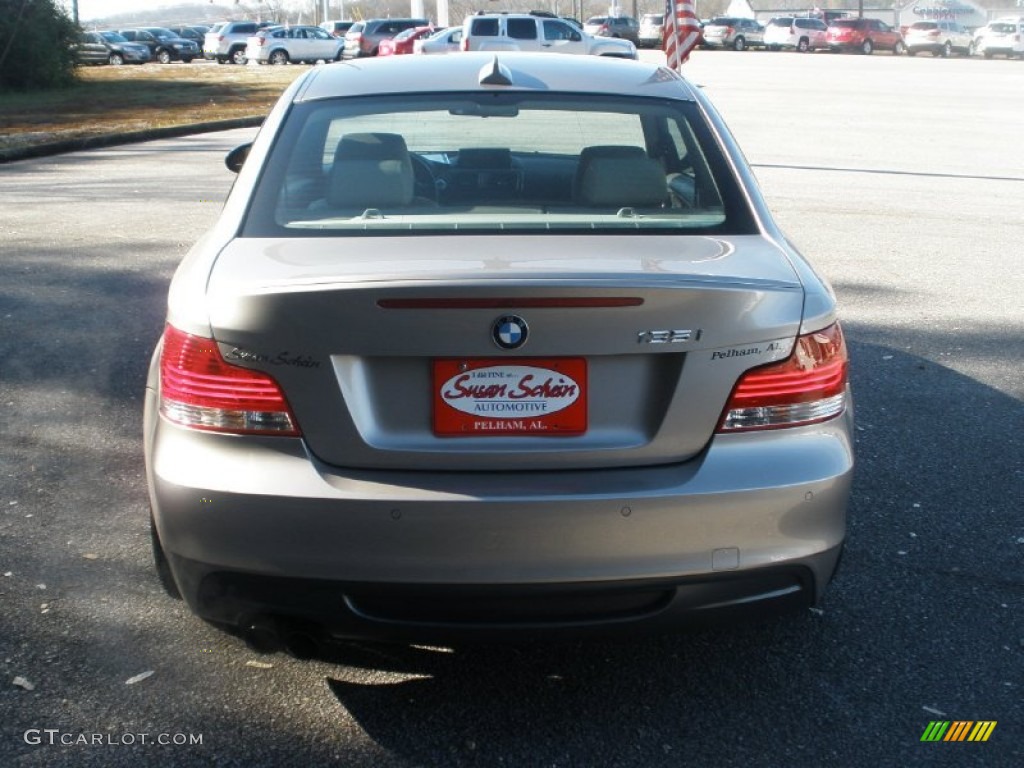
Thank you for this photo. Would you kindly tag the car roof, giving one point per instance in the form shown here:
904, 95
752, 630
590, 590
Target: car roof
529, 72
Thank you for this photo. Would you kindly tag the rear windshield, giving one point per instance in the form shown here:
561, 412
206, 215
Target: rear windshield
846, 23
653, 19
495, 162
924, 25
785, 21
1003, 29
722, 21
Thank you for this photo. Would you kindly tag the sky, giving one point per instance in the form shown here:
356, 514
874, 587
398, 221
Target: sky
98, 9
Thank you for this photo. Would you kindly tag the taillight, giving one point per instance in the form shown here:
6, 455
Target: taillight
261, 41
464, 45
808, 387
200, 390
221, 39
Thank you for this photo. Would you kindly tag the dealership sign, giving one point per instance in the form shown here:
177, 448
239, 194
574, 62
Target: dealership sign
961, 11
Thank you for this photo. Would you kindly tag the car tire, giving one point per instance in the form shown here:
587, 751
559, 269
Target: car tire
278, 58
804, 45
163, 56
899, 48
867, 47
340, 56
115, 60
739, 44
988, 54
187, 60
911, 52
162, 566
237, 56
970, 49
947, 50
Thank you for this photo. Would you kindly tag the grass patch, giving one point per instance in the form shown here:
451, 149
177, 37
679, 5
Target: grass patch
111, 100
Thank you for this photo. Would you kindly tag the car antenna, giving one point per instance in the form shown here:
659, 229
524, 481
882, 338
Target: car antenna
495, 74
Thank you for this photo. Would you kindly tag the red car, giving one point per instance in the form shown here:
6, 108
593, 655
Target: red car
864, 35
402, 43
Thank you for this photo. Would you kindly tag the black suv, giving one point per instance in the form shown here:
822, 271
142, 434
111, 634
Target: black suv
164, 45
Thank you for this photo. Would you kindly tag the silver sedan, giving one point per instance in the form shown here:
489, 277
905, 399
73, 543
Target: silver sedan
495, 345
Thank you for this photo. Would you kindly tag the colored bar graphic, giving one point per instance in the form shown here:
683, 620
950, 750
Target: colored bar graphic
982, 730
959, 730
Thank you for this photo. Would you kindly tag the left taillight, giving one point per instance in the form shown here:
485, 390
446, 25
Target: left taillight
807, 387
201, 390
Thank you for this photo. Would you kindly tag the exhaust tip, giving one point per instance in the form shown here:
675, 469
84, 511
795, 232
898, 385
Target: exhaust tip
262, 636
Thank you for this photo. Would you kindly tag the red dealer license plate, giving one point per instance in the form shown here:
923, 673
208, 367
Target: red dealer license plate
527, 396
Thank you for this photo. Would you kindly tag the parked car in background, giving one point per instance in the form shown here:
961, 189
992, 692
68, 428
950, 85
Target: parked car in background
495, 346
196, 34
337, 28
796, 32
731, 32
226, 41
109, 48
293, 44
625, 27
363, 38
539, 32
652, 29
164, 45
864, 36
938, 37
443, 41
1004, 37
404, 42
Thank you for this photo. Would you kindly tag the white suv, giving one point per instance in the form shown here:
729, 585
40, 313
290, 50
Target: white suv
1002, 36
802, 34
538, 32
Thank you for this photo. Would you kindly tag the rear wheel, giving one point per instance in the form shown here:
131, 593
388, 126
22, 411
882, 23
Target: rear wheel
739, 44
163, 56
804, 45
867, 47
116, 59
278, 58
899, 48
238, 56
970, 49
947, 50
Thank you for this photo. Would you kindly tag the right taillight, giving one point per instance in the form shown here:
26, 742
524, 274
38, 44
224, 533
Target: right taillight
199, 389
807, 387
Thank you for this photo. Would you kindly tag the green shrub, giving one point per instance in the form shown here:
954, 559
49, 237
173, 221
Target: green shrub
36, 45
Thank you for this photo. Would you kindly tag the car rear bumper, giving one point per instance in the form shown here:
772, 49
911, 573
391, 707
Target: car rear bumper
257, 527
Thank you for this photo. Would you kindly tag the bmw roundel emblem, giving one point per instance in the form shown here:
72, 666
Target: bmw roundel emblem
509, 332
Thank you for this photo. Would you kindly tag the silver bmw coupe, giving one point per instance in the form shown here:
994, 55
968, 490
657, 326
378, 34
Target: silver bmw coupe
495, 346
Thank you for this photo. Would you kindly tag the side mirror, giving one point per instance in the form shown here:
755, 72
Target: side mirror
236, 157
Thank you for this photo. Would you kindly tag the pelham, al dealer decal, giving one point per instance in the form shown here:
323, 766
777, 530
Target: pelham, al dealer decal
534, 396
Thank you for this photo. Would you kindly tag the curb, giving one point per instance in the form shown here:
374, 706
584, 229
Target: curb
113, 139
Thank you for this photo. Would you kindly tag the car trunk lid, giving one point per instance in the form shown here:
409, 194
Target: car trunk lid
377, 343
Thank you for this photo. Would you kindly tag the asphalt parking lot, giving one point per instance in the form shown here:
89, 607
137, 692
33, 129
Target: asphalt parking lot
903, 180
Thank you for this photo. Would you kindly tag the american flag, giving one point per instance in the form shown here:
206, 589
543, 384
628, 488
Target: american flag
682, 31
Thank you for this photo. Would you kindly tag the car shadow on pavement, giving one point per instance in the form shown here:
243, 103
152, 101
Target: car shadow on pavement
924, 620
